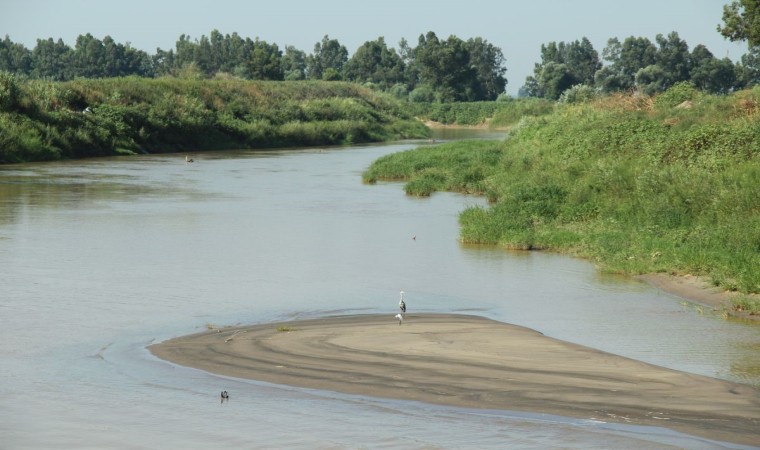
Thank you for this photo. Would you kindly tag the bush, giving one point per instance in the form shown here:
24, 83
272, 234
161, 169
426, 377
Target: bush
580, 93
9, 92
422, 94
676, 95
174, 114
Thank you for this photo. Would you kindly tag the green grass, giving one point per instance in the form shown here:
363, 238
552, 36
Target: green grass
634, 186
498, 114
43, 120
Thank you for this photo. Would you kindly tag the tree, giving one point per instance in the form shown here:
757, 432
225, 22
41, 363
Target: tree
265, 61
741, 20
554, 79
51, 59
88, 58
203, 57
636, 53
328, 54
530, 88
718, 76
562, 66
488, 62
748, 70
651, 79
374, 62
607, 79
582, 60
445, 65
294, 64
185, 52
673, 58
235, 54
406, 53
14, 57
163, 61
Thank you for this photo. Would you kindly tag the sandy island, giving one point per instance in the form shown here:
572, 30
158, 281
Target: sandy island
473, 362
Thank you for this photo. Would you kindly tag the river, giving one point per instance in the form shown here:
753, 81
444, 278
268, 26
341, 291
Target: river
99, 258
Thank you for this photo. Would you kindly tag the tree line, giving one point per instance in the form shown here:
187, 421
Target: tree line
443, 70
435, 70
637, 63
575, 69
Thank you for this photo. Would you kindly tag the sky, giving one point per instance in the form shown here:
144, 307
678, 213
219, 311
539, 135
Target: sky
517, 27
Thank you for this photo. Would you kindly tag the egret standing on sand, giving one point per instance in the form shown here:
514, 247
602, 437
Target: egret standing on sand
401, 304
400, 318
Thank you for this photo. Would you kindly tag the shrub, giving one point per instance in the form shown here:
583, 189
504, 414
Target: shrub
580, 93
9, 92
676, 95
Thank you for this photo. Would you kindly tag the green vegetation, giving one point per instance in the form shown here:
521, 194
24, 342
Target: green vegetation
45, 120
438, 69
741, 19
634, 184
285, 329
499, 114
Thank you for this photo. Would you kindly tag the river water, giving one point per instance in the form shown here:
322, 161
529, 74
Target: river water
99, 258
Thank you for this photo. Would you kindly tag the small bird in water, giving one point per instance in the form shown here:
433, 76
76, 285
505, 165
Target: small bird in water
400, 318
225, 396
188, 159
401, 304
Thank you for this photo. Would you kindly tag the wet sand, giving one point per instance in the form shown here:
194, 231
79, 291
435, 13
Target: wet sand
698, 290
473, 362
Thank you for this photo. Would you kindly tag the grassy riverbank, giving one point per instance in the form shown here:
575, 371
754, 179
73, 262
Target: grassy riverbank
44, 120
498, 114
634, 184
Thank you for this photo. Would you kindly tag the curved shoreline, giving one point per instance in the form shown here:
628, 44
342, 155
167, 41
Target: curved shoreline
697, 290
472, 362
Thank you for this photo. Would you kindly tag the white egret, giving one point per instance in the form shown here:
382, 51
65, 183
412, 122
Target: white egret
400, 318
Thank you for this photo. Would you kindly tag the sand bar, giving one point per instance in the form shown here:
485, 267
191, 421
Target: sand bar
473, 362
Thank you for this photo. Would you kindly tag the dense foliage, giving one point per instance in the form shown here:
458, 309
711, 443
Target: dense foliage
741, 20
46, 120
499, 114
638, 185
637, 63
449, 70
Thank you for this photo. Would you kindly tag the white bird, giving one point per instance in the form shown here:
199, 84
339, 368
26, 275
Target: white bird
188, 159
400, 318
401, 304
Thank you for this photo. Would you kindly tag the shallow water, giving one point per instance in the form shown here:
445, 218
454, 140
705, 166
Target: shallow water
99, 258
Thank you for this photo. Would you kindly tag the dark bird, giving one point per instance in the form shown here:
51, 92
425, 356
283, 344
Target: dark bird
225, 395
401, 304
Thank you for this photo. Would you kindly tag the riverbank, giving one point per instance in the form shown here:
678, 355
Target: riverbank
653, 190
472, 362
86, 118
698, 290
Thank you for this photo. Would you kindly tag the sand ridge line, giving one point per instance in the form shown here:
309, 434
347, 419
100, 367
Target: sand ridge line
473, 362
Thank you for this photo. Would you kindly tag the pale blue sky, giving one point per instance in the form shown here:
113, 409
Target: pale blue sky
517, 27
